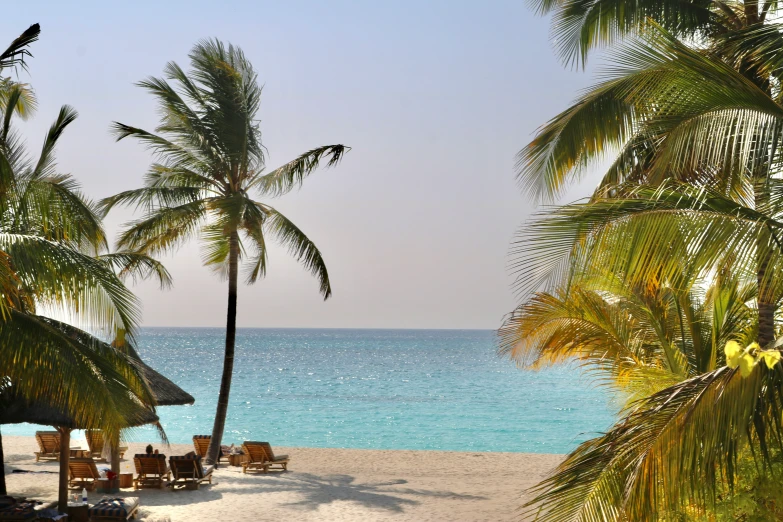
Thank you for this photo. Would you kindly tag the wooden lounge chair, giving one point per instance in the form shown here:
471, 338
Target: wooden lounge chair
262, 458
49, 444
151, 469
95, 441
189, 472
201, 444
114, 509
82, 473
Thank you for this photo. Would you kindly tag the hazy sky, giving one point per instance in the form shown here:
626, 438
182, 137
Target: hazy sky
435, 99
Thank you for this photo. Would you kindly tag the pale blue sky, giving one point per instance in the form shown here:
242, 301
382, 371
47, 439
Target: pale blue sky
434, 97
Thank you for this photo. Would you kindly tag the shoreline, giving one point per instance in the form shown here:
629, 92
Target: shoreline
322, 484
78, 434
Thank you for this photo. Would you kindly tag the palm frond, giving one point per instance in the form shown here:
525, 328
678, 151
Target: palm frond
137, 266
673, 451
164, 230
291, 175
95, 384
77, 283
16, 53
299, 246
656, 86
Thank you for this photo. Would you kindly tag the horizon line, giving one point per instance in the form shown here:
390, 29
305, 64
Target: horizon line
323, 328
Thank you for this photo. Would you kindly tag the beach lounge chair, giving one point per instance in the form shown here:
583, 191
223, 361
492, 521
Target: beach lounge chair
201, 444
95, 441
48, 444
262, 458
188, 471
151, 469
114, 509
82, 473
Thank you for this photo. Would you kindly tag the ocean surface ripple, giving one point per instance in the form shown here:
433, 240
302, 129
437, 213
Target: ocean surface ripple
375, 389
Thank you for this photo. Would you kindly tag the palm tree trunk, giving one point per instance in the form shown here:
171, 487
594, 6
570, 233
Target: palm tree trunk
2, 471
751, 8
766, 297
228, 359
766, 333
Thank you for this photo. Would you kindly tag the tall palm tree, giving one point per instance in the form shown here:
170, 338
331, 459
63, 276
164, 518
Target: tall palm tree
210, 162
697, 178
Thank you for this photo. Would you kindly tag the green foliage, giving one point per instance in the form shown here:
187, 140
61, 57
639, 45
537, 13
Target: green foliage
51, 236
755, 497
674, 256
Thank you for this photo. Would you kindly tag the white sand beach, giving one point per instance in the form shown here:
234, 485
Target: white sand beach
322, 484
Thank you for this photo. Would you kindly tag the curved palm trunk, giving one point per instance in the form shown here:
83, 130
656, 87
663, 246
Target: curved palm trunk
228, 359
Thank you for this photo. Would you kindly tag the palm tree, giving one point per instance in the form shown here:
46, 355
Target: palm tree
210, 162
643, 342
50, 235
696, 179
52, 258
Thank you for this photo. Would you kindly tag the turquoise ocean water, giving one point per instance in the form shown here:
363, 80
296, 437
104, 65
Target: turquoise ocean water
378, 389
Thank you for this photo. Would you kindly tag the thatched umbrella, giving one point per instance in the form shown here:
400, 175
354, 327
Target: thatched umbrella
166, 393
15, 410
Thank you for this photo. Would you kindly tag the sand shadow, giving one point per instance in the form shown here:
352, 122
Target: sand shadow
21, 457
318, 490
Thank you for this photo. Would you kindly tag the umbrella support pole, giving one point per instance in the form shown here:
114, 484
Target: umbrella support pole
2, 471
114, 456
65, 455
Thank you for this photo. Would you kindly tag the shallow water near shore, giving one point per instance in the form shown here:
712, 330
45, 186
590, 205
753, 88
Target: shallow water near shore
374, 389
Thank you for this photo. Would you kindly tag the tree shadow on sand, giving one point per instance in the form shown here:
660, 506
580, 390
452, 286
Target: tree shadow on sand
318, 490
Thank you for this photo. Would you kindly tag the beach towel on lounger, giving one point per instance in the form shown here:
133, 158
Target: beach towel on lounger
119, 508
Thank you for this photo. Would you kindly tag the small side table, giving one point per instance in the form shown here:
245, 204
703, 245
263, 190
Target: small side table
77, 453
236, 460
126, 480
78, 512
108, 485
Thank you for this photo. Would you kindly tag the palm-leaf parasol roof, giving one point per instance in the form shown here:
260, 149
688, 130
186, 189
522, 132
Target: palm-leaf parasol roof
166, 392
15, 409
